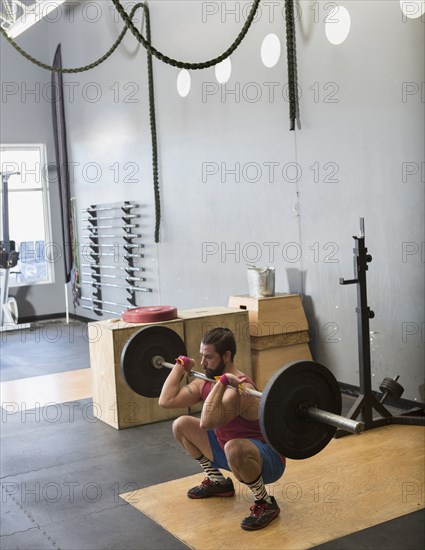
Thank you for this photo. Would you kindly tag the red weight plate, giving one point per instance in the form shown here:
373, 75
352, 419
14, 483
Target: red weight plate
150, 314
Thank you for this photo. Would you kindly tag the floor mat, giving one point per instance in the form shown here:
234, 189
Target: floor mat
42, 391
48, 347
354, 483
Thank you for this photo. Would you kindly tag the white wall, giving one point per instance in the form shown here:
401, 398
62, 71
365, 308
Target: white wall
26, 117
357, 128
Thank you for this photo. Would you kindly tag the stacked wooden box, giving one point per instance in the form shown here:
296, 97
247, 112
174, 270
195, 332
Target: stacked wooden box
278, 332
119, 406
113, 401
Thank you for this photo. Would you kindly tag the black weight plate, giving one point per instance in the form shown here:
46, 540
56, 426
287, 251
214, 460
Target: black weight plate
284, 429
392, 387
136, 358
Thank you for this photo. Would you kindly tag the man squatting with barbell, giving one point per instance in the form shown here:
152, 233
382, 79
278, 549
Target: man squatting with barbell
228, 434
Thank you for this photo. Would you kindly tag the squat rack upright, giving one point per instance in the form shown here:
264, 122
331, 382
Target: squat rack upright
367, 402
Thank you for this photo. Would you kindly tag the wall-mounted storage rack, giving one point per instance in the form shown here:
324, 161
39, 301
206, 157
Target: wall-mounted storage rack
107, 260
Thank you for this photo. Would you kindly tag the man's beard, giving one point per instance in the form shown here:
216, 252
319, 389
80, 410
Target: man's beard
216, 372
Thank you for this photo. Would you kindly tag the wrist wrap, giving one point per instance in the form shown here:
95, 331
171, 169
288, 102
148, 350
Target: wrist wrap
224, 380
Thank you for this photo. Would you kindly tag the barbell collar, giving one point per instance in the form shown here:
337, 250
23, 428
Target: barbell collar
352, 426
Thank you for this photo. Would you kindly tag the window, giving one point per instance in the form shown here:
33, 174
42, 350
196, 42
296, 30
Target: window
29, 212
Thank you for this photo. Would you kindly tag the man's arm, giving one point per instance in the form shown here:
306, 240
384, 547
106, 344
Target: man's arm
173, 396
224, 404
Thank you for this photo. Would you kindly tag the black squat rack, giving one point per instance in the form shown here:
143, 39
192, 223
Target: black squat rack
367, 402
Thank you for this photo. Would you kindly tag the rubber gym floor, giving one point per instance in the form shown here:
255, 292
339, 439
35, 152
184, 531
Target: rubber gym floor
62, 470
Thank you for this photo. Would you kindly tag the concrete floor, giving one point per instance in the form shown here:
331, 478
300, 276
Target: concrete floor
62, 471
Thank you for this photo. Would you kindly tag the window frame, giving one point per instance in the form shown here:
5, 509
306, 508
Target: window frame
44, 189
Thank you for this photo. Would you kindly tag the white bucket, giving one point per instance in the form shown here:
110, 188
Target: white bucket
261, 281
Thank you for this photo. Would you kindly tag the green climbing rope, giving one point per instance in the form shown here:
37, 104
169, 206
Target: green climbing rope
152, 120
151, 51
77, 69
128, 19
182, 64
151, 96
292, 62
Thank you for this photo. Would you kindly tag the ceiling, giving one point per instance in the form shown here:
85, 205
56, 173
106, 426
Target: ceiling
16, 16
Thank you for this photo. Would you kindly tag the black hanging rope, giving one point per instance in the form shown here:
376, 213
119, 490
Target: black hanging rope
182, 64
127, 18
152, 120
151, 51
292, 62
76, 69
151, 97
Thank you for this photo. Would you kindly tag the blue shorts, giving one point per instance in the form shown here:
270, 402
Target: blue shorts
273, 466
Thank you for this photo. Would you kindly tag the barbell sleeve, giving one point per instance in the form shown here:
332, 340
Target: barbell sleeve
325, 417
352, 426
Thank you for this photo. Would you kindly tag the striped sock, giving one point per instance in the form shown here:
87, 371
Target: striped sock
258, 488
213, 473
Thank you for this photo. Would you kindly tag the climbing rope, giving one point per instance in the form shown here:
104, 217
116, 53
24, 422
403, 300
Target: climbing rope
152, 121
128, 20
182, 64
151, 51
292, 62
151, 96
77, 69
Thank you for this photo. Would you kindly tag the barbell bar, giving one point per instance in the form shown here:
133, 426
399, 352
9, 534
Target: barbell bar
126, 216
300, 406
93, 265
94, 208
158, 362
131, 288
312, 412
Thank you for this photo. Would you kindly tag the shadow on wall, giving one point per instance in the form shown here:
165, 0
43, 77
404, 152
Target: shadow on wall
296, 283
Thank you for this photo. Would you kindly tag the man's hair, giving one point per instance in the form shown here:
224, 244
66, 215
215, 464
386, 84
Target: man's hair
222, 339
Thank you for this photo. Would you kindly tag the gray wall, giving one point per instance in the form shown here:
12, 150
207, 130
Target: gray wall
26, 118
358, 154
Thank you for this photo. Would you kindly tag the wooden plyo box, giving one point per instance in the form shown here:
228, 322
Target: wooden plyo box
119, 406
259, 343
268, 317
113, 401
266, 362
278, 332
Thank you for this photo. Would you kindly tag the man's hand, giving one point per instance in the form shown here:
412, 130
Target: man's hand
173, 395
186, 362
236, 382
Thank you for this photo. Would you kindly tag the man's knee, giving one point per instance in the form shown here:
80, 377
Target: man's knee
236, 451
179, 426
183, 426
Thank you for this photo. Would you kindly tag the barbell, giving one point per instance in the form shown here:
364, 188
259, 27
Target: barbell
300, 406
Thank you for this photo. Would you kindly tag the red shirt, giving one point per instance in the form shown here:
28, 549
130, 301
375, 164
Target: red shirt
238, 427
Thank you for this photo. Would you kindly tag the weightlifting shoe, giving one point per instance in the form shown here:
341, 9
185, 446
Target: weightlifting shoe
210, 488
262, 513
